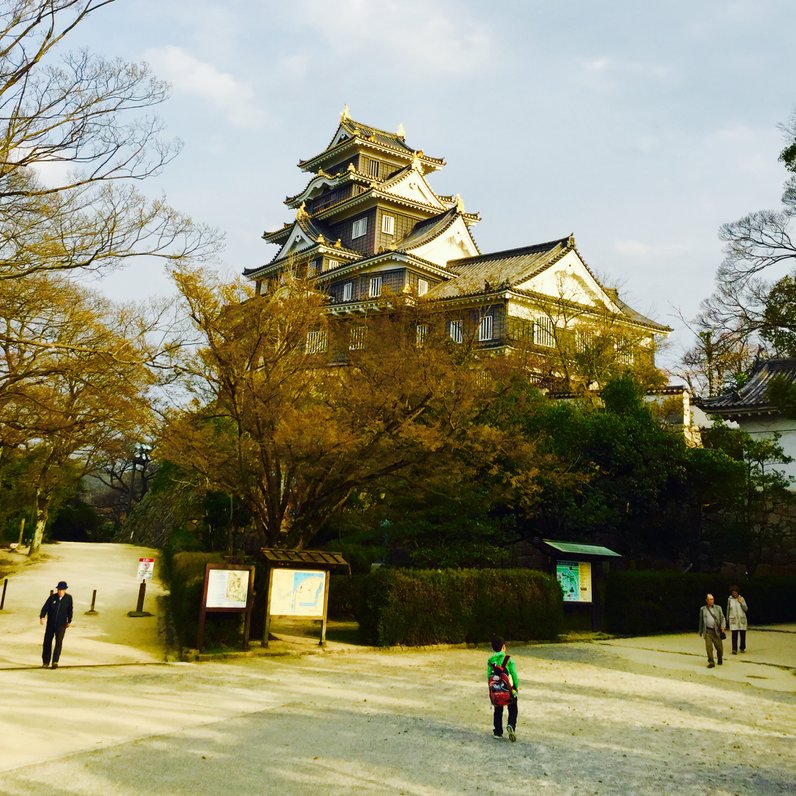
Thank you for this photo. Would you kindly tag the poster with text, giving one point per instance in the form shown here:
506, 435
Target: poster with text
574, 578
227, 588
297, 592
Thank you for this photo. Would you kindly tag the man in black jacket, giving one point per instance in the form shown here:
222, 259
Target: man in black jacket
57, 609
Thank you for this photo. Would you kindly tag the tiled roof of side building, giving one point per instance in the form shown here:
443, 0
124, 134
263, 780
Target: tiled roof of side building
752, 396
505, 268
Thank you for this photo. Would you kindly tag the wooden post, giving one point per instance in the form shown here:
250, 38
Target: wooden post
139, 609
3, 598
267, 631
327, 578
93, 601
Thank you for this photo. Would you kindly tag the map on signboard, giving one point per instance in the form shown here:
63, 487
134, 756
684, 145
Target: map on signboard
574, 577
297, 592
227, 588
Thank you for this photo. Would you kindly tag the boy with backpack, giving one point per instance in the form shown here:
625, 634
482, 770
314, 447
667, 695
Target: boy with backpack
501, 676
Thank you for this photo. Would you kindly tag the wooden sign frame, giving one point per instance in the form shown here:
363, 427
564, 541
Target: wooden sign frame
233, 609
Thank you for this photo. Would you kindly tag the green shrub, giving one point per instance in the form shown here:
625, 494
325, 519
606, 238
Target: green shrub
638, 603
419, 607
186, 582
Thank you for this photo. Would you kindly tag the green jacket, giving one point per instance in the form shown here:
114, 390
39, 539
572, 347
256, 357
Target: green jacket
497, 659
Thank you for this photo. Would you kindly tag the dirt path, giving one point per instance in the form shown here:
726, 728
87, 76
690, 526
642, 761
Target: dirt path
107, 637
641, 716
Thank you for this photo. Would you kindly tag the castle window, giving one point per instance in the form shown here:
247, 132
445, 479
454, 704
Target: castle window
543, 332
333, 264
624, 352
422, 287
388, 225
455, 331
485, 328
373, 168
374, 289
359, 228
348, 291
356, 339
316, 341
421, 332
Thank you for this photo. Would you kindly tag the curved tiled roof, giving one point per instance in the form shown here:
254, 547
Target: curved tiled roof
752, 398
367, 133
428, 229
496, 269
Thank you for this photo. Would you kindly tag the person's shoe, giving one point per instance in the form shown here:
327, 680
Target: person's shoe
497, 737
743, 650
55, 666
711, 664
45, 666
735, 652
510, 731
719, 661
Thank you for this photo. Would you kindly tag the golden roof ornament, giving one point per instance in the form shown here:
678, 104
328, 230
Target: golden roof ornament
344, 114
338, 244
321, 239
459, 203
416, 155
571, 240
301, 213
401, 132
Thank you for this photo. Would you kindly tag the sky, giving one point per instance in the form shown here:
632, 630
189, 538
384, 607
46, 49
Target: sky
639, 127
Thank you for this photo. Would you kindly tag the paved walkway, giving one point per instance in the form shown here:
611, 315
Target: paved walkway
107, 637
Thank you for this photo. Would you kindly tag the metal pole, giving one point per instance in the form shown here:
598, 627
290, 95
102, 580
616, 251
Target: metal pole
141, 592
3, 598
93, 601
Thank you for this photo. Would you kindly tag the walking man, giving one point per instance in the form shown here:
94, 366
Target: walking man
711, 626
57, 610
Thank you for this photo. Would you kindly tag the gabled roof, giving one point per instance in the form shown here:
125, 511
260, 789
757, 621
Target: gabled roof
496, 269
425, 231
350, 130
752, 398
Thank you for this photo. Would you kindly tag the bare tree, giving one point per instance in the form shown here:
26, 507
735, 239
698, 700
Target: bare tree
88, 121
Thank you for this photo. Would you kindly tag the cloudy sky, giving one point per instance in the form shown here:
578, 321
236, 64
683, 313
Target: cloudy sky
640, 127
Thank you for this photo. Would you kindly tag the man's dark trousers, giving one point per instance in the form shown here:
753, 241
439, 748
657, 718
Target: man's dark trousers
51, 632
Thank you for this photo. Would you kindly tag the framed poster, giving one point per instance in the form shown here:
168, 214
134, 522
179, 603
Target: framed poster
298, 592
574, 577
227, 588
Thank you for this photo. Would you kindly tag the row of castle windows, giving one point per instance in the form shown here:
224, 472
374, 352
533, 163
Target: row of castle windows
360, 226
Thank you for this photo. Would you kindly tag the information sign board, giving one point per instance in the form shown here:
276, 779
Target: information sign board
298, 592
227, 588
574, 578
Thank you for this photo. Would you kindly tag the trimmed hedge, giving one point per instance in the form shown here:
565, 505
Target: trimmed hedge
639, 603
422, 607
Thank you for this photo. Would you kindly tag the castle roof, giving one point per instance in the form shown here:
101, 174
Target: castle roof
367, 136
752, 398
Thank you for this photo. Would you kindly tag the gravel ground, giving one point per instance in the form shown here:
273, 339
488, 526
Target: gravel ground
639, 715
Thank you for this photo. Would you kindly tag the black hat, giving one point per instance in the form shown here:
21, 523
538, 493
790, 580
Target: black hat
61, 585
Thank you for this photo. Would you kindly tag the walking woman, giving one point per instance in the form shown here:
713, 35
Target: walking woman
736, 619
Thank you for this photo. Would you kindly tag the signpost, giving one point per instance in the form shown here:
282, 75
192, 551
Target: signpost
229, 588
580, 570
146, 569
298, 585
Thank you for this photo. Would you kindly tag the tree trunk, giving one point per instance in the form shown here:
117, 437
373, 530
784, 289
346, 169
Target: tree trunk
42, 515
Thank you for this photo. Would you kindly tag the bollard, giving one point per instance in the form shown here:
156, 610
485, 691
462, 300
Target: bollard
3, 598
93, 600
139, 609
